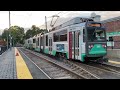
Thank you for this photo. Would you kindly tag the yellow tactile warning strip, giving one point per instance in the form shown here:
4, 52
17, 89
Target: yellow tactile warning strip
21, 67
115, 62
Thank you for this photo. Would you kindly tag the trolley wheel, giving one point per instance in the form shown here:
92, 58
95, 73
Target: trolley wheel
60, 56
86, 60
105, 59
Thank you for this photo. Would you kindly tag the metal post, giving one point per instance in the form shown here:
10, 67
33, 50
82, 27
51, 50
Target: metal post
44, 32
46, 22
112, 44
9, 29
7, 39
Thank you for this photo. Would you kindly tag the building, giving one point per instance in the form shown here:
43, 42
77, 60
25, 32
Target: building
2, 43
113, 31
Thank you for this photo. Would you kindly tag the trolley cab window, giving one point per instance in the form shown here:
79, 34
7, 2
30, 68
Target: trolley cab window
95, 34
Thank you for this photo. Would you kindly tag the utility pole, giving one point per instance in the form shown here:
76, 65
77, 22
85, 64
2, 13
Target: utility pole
46, 22
9, 29
7, 39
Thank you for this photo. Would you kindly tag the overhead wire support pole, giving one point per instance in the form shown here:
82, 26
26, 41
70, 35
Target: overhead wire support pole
9, 29
46, 22
7, 39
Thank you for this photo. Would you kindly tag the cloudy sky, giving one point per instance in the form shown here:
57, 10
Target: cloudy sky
26, 19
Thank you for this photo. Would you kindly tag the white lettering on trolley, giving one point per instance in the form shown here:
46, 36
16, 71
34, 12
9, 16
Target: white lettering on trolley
75, 28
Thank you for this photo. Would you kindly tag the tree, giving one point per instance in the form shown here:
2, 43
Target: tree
34, 31
0, 36
5, 34
17, 34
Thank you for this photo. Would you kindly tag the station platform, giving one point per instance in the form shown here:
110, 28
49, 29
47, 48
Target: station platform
8, 65
113, 62
12, 66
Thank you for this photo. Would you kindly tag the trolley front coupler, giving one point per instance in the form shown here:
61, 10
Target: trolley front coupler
105, 59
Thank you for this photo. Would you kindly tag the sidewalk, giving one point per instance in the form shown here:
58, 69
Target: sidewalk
113, 62
113, 53
8, 65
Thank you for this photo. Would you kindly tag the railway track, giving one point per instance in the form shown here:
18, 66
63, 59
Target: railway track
96, 71
101, 70
110, 68
56, 69
51, 70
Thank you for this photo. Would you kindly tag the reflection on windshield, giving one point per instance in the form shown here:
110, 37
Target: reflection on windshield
96, 35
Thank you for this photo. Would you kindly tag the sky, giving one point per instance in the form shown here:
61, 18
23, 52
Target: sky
26, 19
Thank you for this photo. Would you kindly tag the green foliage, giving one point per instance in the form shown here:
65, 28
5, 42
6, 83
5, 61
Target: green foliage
34, 31
18, 35
5, 34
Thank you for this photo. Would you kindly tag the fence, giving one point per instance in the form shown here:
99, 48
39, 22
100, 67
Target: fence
3, 49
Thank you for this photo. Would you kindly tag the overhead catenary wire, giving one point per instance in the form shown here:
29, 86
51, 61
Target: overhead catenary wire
61, 13
56, 15
49, 18
67, 12
52, 25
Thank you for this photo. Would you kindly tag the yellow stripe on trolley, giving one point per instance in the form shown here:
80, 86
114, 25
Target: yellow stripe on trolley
22, 69
115, 62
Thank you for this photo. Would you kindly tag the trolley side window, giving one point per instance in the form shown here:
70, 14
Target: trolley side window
83, 35
63, 35
56, 37
46, 40
78, 38
41, 41
34, 40
38, 41
60, 36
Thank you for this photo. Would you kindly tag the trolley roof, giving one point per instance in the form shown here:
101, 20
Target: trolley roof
75, 20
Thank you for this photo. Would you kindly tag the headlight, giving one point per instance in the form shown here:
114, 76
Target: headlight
104, 46
90, 46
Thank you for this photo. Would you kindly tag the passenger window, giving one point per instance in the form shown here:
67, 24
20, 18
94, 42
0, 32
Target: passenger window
38, 41
46, 40
110, 38
83, 35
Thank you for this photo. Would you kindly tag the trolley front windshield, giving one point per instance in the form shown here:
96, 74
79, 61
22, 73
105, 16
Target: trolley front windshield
95, 34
